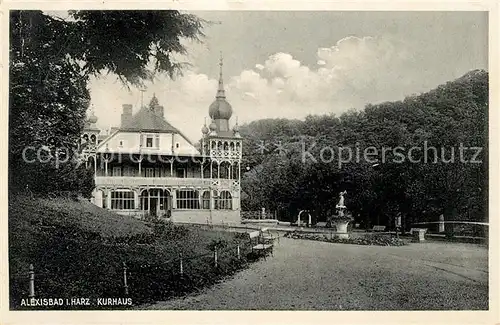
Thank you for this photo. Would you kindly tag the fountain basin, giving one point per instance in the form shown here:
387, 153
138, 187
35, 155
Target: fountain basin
341, 228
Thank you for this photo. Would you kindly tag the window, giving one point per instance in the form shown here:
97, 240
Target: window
225, 168
129, 171
122, 200
224, 201
121, 143
205, 200
187, 199
149, 142
150, 172
117, 171
180, 173
177, 145
155, 198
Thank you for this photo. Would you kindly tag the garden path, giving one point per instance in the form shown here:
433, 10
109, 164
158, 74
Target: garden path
311, 275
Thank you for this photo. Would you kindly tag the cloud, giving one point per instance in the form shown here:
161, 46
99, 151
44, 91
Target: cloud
351, 73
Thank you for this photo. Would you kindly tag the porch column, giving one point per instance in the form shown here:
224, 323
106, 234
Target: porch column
108, 199
201, 167
158, 205
149, 200
172, 168
137, 199
239, 173
212, 200
173, 195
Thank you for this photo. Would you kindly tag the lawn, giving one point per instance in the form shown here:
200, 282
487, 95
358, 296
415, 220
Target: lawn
78, 250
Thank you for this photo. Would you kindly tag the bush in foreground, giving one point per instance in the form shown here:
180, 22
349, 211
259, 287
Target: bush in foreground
77, 254
375, 239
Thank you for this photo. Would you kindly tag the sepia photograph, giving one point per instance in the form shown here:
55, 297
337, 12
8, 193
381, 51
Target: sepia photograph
248, 160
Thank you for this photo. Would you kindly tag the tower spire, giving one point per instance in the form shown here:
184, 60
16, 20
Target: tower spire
220, 91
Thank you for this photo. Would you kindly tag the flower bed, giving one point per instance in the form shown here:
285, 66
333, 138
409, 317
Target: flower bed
375, 239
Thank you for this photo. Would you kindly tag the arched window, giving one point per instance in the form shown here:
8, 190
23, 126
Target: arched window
215, 168
225, 168
237, 146
155, 200
86, 137
232, 146
93, 139
226, 146
188, 199
235, 170
122, 200
225, 201
205, 200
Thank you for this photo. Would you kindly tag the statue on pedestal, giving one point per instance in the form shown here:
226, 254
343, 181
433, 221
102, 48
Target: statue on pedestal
341, 206
340, 219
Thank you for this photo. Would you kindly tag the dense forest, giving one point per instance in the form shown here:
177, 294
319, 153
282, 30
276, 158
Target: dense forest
291, 165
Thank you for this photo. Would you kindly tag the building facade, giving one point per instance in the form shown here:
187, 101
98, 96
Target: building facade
147, 167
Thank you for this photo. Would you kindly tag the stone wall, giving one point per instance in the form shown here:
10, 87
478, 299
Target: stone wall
202, 216
256, 215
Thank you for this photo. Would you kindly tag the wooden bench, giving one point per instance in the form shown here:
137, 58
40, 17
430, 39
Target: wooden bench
418, 234
258, 244
267, 236
417, 229
378, 228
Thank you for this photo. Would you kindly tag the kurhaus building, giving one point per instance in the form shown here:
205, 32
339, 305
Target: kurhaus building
147, 167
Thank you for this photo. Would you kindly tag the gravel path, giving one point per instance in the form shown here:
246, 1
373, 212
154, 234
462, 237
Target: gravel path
310, 275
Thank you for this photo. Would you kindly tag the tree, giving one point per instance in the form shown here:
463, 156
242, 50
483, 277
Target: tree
450, 116
52, 59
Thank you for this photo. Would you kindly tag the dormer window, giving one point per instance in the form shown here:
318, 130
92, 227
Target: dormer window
150, 141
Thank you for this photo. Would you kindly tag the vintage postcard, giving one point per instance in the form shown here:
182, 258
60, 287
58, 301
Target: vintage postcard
250, 158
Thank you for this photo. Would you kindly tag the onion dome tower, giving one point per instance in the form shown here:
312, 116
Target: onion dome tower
220, 110
223, 145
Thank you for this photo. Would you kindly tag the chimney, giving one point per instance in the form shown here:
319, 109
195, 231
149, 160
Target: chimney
126, 115
159, 111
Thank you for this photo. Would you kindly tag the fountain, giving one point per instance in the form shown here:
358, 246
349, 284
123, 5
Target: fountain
341, 218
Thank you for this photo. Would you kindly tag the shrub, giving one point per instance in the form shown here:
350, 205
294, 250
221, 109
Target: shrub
376, 239
217, 243
169, 230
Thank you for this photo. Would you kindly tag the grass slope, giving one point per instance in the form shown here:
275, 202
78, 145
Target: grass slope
78, 250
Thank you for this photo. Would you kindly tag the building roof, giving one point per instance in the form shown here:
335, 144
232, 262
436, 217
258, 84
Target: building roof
147, 120
224, 134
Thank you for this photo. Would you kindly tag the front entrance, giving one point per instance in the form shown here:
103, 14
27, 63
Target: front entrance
156, 202
153, 207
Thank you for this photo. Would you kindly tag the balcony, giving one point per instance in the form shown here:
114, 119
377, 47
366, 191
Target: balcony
151, 181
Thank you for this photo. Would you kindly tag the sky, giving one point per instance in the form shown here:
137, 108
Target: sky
292, 64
